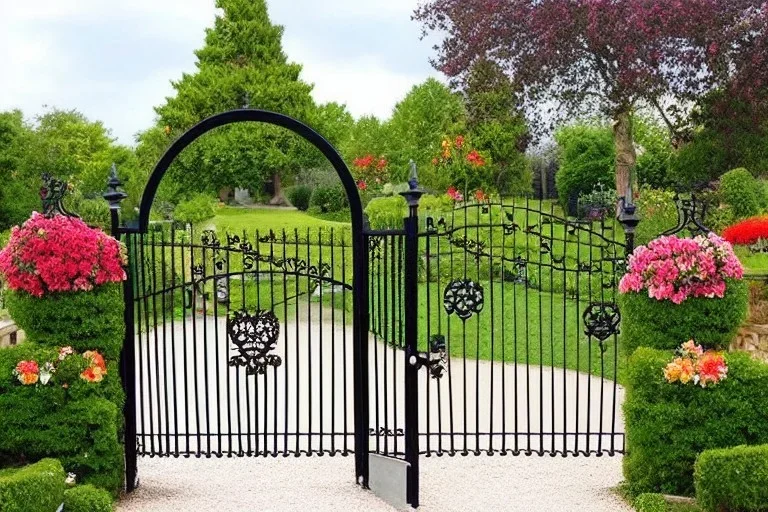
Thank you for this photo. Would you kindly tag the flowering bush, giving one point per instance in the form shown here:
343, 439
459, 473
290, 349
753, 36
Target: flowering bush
92, 368
747, 232
370, 171
454, 194
463, 165
694, 364
60, 254
674, 269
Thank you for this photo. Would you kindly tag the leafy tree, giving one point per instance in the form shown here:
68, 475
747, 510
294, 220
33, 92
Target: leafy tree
368, 135
727, 132
498, 128
429, 113
17, 195
242, 62
586, 154
607, 55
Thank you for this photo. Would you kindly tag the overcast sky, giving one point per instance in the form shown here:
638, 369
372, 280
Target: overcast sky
113, 59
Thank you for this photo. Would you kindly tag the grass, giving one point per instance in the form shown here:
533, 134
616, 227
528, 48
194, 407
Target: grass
547, 312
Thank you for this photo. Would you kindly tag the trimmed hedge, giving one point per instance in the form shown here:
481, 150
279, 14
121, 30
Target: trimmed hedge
668, 425
84, 320
329, 199
87, 498
386, 212
80, 425
713, 323
742, 192
38, 487
650, 502
733, 479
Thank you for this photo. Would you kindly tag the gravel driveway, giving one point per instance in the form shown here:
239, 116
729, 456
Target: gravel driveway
327, 483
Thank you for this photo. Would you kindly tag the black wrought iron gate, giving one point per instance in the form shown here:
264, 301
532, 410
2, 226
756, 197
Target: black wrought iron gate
489, 330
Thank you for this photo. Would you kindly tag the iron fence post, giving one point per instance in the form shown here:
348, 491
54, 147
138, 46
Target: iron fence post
411, 305
114, 197
629, 220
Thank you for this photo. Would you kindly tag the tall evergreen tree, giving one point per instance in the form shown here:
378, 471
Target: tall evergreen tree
241, 63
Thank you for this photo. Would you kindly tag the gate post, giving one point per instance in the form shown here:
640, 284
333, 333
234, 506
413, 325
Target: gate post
127, 355
411, 290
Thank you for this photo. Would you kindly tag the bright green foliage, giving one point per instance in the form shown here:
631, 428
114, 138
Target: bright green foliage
300, 196
242, 62
733, 479
83, 320
80, 425
668, 425
498, 129
368, 136
38, 487
387, 212
586, 158
429, 113
647, 322
742, 192
329, 199
199, 208
18, 196
87, 498
655, 155
658, 213
650, 502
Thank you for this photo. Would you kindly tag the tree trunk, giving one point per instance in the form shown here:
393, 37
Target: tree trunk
278, 198
626, 157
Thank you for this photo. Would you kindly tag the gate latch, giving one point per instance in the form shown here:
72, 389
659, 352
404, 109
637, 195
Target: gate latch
435, 359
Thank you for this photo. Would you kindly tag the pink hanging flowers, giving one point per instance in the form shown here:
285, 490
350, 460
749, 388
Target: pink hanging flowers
674, 269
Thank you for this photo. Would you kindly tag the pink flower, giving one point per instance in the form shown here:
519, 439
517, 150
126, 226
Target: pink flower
674, 269
454, 194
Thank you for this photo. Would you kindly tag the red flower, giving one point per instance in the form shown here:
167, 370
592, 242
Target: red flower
459, 142
381, 164
363, 162
95, 359
747, 232
712, 367
362, 185
480, 195
474, 158
59, 254
454, 194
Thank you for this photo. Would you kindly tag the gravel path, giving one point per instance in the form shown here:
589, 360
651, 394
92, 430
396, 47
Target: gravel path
323, 483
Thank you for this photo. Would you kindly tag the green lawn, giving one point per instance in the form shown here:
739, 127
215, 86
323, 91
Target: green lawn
519, 324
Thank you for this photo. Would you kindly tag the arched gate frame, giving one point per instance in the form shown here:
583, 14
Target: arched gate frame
254, 333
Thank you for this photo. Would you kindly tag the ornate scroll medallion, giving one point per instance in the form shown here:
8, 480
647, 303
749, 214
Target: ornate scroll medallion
463, 297
253, 337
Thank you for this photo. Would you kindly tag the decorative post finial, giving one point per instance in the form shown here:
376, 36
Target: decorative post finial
413, 176
247, 101
114, 197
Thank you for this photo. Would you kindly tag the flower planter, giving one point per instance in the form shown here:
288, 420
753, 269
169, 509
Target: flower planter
753, 339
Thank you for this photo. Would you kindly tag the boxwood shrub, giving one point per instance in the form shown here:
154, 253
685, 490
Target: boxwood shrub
80, 425
300, 196
87, 498
647, 322
650, 502
742, 192
733, 479
668, 425
329, 199
84, 320
38, 487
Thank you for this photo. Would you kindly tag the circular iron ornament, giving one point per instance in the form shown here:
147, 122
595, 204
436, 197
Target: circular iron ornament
601, 320
463, 297
254, 336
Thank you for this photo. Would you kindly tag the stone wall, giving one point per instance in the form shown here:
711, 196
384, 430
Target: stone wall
752, 338
10, 335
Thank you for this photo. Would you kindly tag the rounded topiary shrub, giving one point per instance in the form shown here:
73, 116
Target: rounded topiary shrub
648, 322
82, 320
87, 498
64, 281
329, 199
742, 192
677, 289
299, 196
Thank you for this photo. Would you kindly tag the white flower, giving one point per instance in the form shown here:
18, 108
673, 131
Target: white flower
71, 479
